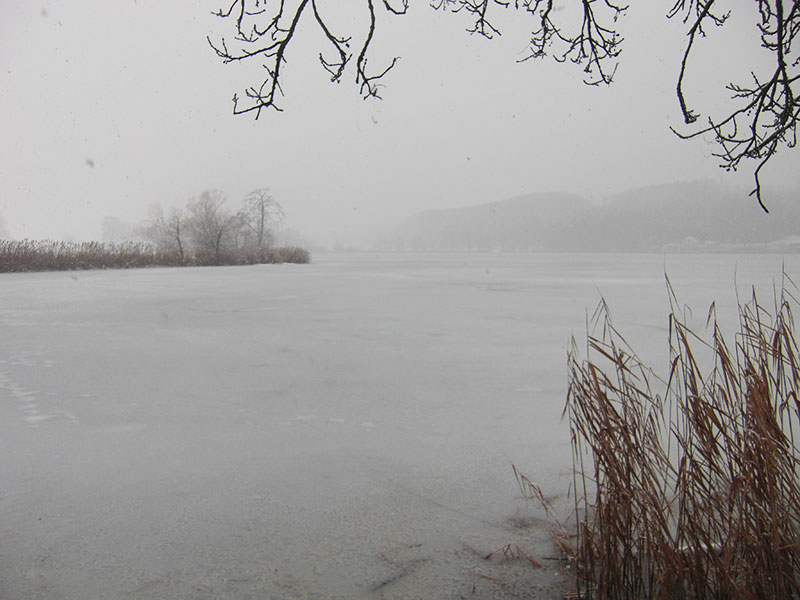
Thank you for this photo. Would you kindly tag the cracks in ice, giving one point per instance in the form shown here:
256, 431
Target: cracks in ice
27, 401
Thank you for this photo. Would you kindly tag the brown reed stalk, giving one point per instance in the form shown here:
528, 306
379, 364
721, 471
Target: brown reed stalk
49, 255
696, 493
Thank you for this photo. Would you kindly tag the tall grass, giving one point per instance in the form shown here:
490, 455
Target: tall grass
29, 255
693, 493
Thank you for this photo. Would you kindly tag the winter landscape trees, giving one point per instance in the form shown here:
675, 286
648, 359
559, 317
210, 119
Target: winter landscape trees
259, 213
205, 232
589, 33
210, 226
206, 225
166, 231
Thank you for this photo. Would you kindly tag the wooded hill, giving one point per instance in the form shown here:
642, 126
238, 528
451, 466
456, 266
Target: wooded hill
698, 216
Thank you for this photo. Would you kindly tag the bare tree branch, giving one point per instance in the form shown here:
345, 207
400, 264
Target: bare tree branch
368, 87
767, 109
340, 45
595, 44
396, 11
583, 32
262, 33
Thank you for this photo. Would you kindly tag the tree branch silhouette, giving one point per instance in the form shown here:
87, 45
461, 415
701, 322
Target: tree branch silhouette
767, 108
582, 32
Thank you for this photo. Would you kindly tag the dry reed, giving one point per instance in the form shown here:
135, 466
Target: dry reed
48, 255
694, 494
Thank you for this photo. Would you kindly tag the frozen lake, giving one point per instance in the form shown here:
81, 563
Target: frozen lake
343, 429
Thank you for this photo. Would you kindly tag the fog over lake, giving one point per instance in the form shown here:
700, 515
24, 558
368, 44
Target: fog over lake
106, 108
343, 429
346, 429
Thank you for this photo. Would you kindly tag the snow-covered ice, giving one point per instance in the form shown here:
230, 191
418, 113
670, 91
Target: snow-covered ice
343, 429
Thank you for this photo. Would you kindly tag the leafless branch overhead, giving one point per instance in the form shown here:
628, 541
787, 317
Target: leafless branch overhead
768, 104
264, 30
583, 32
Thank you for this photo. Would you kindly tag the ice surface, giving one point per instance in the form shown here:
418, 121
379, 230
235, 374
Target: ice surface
343, 429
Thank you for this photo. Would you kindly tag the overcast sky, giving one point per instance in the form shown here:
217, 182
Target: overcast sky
107, 107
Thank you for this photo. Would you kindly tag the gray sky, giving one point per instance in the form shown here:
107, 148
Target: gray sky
132, 88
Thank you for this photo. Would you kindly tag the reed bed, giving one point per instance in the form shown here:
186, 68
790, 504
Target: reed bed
692, 492
48, 255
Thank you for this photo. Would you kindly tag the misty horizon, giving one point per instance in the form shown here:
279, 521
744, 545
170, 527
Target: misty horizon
142, 116
362, 347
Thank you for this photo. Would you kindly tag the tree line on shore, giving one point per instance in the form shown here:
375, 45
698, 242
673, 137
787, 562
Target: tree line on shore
205, 225
202, 233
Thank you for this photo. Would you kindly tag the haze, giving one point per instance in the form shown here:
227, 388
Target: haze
342, 429
109, 107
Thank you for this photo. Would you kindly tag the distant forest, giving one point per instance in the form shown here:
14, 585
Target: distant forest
689, 217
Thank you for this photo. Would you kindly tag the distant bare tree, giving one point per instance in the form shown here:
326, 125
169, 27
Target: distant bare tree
175, 224
583, 32
259, 213
3, 228
209, 225
154, 228
166, 231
